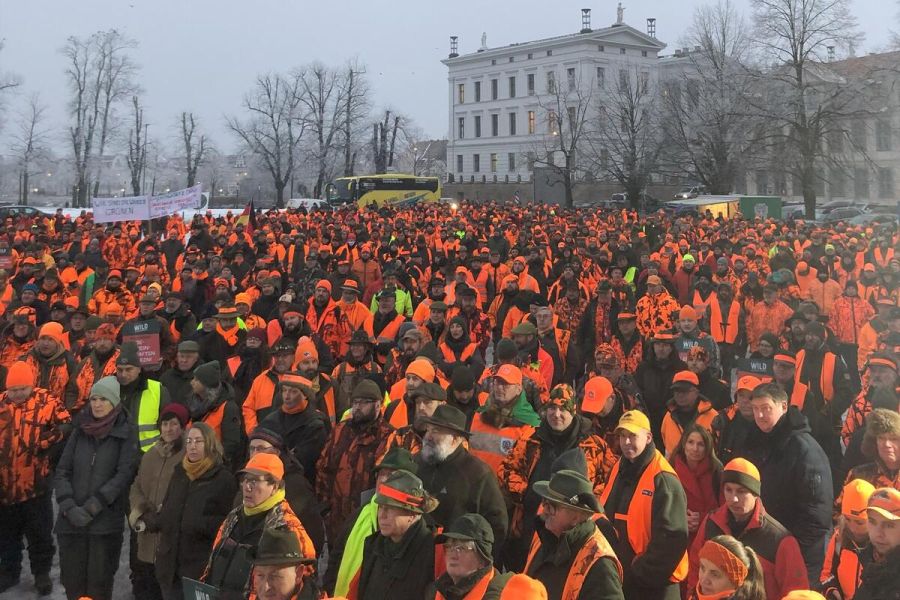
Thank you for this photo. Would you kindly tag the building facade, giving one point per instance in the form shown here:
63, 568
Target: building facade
504, 102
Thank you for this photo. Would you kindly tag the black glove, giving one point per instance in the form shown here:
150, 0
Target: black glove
93, 506
79, 517
151, 520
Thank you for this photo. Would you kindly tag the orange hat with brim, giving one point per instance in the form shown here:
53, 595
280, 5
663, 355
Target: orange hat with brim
265, 464
885, 502
510, 374
597, 391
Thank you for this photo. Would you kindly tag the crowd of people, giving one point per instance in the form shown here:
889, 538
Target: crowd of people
494, 401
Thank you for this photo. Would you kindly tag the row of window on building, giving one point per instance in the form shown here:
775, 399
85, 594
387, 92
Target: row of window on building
837, 182
551, 86
494, 164
600, 48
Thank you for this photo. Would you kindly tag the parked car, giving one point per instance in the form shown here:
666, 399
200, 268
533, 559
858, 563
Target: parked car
874, 218
842, 214
836, 204
16, 210
689, 191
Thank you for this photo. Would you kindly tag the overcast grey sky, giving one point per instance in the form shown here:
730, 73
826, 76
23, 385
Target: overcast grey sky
202, 55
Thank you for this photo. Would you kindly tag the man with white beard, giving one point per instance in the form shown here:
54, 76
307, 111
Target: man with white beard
461, 482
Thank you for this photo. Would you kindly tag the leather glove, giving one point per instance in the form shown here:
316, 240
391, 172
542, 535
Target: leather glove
93, 506
79, 517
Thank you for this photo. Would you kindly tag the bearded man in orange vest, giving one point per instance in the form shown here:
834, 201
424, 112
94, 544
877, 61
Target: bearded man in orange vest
648, 508
588, 567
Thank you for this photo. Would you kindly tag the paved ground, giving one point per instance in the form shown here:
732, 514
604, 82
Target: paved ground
25, 589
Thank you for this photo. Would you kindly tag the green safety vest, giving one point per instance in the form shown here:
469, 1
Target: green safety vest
351, 562
148, 415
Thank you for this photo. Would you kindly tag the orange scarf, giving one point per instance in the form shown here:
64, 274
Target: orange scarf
231, 336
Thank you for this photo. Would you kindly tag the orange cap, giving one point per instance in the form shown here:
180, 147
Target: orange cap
682, 377
688, 312
885, 502
855, 499
509, 279
265, 464
242, 298
19, 374
423, 368
523, 587
597, 391
511, 374
748, 382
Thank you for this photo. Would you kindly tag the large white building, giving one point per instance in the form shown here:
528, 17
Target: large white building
502, 101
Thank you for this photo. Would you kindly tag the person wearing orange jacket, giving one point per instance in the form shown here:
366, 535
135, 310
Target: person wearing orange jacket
686, 407
32, 427
744, 517
101, 362
848, 315
19, 336
53, 366
769, 316
356, 313
561, 429
503, 420
648, 508
112, 293
259, 401
658, 310
849, 550
346, 467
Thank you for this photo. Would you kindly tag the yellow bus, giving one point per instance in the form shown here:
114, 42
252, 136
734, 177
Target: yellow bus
391, 189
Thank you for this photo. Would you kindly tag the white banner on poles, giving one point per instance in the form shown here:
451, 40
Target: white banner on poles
173, 202
144, 208
127, 208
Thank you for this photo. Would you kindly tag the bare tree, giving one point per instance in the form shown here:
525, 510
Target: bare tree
384, 141
195, 147
30, 142
8, 82
707, 130
799, 101
137, 147
274, 127
99, 72
567, 107
626, 139
357, 108
321, 100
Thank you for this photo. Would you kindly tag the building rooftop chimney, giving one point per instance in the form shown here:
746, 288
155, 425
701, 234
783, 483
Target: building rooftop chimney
585, 20
651, 27
454, 46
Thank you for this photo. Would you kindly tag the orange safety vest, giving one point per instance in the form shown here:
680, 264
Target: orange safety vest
233, 363
481, 285
477, 592
467, 353
391, 330
596, 548
214, 420
492, 445
798, 396
826, 381
700, 304
639, 519
399, 418
728, 332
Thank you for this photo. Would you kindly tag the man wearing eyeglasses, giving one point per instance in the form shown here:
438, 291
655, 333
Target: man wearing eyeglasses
468, 547
346, 466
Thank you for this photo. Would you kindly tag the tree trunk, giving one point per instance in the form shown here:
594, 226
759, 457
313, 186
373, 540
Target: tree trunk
279, 193
25, 188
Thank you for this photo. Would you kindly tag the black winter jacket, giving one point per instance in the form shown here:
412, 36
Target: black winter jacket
880, 581
304, 434
191, 514
464, 484
796, 482
399, 571
102, 469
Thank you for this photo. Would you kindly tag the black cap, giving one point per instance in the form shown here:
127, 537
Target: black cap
470, 527
128, 355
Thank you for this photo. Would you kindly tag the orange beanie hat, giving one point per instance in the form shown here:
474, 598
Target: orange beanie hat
423, 368
20, 373
52, 330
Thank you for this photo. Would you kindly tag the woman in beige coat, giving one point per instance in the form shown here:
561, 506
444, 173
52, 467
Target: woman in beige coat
146, 497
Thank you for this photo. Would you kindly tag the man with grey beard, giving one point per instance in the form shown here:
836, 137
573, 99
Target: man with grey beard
461, 482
